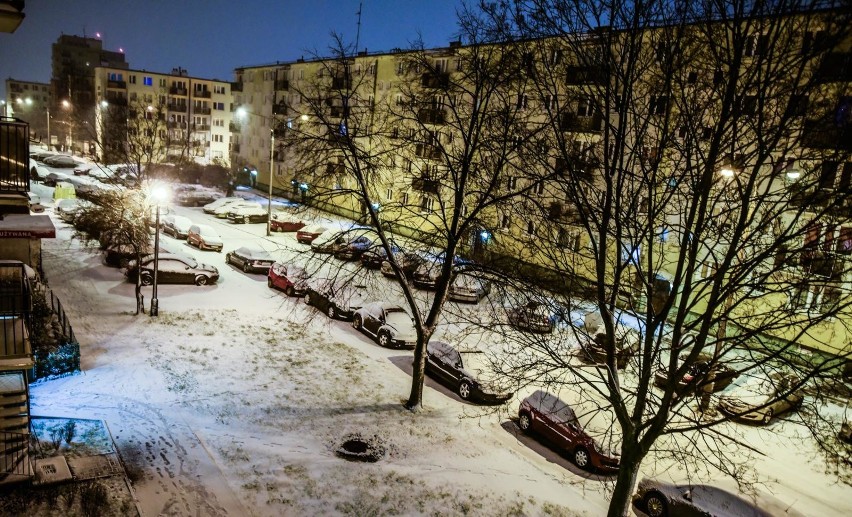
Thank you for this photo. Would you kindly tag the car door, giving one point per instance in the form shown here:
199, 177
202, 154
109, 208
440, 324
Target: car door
548, 410
237, 259
168, 271
445, 361
373, 318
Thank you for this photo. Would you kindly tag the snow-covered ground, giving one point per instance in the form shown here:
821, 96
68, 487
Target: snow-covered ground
233, 400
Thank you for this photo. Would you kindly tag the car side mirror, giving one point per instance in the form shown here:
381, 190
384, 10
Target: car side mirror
688, 495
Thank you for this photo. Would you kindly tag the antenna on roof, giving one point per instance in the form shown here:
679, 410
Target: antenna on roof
358, 32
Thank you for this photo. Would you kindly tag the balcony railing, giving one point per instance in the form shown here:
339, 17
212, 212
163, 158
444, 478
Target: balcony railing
279, 109
427, 151
835, 67
174, 90
178, 107
201, 127
282, 84
437, 80
15, 309
202, 94
199, 110
117, 84
573, 122
577, 75
234, 128
824, 134
341, 83
236, 87
425, 185
431, 115
235, 148
14, 155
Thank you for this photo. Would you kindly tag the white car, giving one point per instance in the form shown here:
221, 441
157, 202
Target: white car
249, 212
177, 226
66, 208
388, 323
223, 211
210, 208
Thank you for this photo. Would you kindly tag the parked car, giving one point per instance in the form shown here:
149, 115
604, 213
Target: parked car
248, 213
465, 372
172, 269
563, 427
204, 237
67, 208
388, 323
61, 161
662, 499
696, 376
52, 178
468, 288
250, 259
285, 222
407, 261
327, 242
82, 169
224, 211
35, 203
427, 273
211, 207
307, 234
176, 225
593, 341
759, 398
353, 245
37, 173
42, 155
533, 316
336, 298
373, 257
290, 279
195, 197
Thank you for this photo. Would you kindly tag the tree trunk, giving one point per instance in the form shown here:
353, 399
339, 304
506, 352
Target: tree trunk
619, 505
140, 300
418, 371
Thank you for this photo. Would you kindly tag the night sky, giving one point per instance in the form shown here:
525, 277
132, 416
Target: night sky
209, 38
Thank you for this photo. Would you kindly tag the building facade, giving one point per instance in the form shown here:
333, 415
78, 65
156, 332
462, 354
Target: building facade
30, 102
156, 117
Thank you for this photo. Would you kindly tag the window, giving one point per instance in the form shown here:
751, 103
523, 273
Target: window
756, 45
218, 138
585, 107
569, 240
218, 122
818, 299
400, 68
505, 222
630, 254
162, 83
399, 100
843, 244
538, 188
522, 101
441, 65
555, 56
427, 204
692, 77
404, 200
147, 81
219, 89
219, 106
659, 104
530, 228
748, 105
389, 195
813, 41
549, 102
511, 183
132, 79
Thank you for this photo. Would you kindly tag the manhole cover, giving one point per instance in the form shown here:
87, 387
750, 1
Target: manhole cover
357, 448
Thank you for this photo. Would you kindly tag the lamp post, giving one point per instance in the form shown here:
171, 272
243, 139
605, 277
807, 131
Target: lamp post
67, 105
159, 194
271, 167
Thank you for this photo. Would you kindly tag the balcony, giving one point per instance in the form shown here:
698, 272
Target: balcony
824, 264
182, 108
339, 112
117, 101
425, 184
279, 109
427, 151
577, 124
341, 83
236, 87
437, 80
835, 67
234, 128
282, 84
15, 309
201, 94
823, 134
432, 116
235, 148
117, 84
332, 169
15, 154
201, 127
579, 75
201, 110
174, 90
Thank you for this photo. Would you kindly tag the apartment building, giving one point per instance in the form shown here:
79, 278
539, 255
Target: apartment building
407, 113
29, 101
165, 117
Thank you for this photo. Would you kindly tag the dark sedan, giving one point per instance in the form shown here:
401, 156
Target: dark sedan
463, 371
558, 424
337, 299
251, 260
532, 316
696, 376
172, 269
661, 499
759, 398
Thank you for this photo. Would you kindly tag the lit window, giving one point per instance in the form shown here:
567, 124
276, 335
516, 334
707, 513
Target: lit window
148, 81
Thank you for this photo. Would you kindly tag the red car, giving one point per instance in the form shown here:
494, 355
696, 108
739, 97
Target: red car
290, 279
285, 223
557, 423
307, 234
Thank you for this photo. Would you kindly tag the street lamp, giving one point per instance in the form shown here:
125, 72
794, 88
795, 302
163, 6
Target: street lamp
242, 112
159, 194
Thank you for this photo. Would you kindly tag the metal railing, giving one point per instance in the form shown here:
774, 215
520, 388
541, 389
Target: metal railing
15, 460
62, 318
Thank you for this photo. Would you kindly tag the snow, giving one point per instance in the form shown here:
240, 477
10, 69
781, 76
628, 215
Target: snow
234, 399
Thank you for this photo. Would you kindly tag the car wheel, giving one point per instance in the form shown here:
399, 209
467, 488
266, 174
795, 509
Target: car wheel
201, 280
146, 279
246, 268
290, 291
332, 311
245, 220
655, 504
228, 258
268, 282
384, 339
307, 299
581, 458
525, 422
464, 390
767, 417
356, 322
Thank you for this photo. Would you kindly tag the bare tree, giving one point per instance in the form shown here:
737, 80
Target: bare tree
697, 151
117, 220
